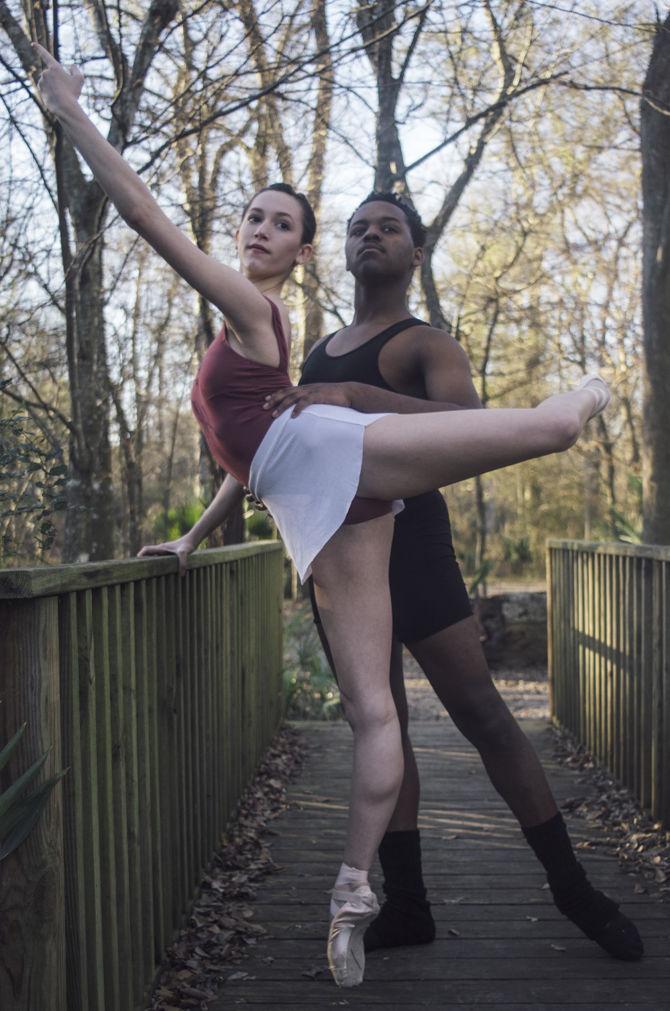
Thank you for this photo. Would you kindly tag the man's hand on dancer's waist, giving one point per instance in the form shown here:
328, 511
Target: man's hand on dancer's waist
182, 548
300, 397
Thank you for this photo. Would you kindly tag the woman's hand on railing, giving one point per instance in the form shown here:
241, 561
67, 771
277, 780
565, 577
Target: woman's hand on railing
182, 548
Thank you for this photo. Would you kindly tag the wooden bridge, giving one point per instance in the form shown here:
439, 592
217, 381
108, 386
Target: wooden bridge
160, 694
500, 944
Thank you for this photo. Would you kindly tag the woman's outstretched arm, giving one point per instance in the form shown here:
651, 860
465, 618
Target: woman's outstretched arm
228, 496
244, 307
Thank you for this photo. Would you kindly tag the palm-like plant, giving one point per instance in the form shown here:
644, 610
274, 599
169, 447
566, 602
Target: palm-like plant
18, 814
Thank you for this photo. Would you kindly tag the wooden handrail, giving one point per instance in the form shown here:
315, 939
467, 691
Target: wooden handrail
159, 694
609, 659
48, 580
614, 548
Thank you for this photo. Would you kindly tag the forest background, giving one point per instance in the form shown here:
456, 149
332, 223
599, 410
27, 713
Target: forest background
513, 127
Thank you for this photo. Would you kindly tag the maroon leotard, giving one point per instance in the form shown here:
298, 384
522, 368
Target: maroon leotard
227, 400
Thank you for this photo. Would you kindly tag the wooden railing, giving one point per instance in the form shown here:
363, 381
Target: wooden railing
609, 659
159, 694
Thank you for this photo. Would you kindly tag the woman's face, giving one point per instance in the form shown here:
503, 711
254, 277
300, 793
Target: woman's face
269, 239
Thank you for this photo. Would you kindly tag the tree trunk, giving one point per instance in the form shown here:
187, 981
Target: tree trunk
312, 311
90, 519
481, 540
90, 516
655, 143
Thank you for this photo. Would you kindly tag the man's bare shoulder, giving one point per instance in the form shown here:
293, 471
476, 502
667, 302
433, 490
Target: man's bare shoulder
432, 340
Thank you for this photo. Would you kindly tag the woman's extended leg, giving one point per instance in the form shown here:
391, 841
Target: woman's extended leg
407, 454
351, 589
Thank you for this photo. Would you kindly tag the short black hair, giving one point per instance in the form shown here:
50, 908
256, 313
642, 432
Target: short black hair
308, 219
416, 225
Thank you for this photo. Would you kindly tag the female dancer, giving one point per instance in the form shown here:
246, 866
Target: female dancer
330, 477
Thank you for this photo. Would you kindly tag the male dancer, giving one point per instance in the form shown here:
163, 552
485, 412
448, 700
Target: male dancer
387, 360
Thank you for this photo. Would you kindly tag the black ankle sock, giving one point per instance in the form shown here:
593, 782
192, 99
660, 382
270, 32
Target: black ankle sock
400, 859
592, 911
551, 845
405, 916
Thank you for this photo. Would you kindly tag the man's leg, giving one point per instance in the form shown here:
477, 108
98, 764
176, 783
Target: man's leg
405, 916
454, 662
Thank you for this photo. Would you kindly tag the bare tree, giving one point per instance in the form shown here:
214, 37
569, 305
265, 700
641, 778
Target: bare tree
655, 147
82, 214
312, 314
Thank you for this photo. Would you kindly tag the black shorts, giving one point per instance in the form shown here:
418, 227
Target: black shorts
427, 589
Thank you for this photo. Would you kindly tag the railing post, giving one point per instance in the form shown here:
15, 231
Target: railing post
614, 606
32, 920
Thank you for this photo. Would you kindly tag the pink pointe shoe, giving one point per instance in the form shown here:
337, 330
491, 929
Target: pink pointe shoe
346, 954
597, 385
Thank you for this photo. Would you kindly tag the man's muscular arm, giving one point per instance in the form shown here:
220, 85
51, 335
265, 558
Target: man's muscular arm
441, 364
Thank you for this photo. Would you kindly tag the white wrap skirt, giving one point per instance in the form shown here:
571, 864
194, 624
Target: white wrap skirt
306, 471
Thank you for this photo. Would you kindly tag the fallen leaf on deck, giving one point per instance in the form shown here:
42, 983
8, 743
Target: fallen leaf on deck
220, 925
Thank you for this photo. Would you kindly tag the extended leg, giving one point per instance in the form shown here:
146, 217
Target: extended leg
408, 454
455, 664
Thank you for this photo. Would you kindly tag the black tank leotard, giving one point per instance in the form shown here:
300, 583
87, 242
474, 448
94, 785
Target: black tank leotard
427, 588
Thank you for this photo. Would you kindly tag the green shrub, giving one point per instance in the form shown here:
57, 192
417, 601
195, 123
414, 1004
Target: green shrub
259, 525
178, 521
310, 689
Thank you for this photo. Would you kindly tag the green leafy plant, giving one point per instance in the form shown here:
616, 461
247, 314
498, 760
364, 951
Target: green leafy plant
310, 689
178, 521
517, 553
259, 525
626, 531
18, 814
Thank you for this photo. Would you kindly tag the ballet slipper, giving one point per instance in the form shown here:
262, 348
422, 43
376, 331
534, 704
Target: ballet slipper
597, 385
346, 951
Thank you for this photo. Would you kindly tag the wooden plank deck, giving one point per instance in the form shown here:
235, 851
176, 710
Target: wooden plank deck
501, 943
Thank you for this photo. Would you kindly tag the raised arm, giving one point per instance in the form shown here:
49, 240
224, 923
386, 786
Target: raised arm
242, 304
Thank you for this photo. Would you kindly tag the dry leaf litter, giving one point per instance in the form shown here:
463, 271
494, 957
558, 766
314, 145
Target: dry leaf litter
640, 842
221, 924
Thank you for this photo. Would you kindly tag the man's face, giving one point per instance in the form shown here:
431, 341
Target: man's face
379, 243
